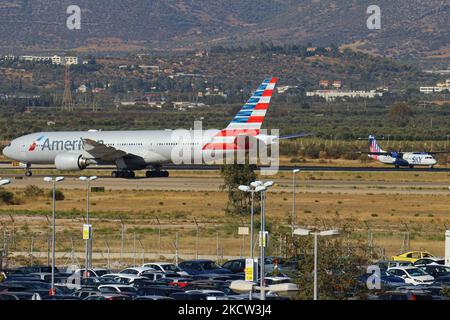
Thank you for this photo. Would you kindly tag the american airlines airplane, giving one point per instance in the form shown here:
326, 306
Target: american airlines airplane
401, 159
140, 150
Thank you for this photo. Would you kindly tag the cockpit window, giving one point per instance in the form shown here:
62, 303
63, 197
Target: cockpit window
9, 144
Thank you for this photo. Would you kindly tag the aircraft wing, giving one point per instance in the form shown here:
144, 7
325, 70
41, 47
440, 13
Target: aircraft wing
103, 152
294, 136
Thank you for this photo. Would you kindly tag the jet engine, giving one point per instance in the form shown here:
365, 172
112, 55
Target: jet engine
71, 162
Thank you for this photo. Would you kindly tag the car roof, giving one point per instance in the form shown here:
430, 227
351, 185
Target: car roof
116, 285
403, 268
139, 269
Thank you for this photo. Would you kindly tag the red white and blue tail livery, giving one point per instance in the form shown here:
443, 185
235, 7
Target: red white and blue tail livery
248, 121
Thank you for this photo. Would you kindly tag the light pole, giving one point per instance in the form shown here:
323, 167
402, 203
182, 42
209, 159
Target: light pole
306, 232
254, 187
263, 239
53, 182
88, 181
293, 199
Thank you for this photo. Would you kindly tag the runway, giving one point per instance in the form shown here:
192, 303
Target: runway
7, 167
213, 184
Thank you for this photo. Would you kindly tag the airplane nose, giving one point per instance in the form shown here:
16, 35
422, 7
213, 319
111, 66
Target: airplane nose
7, 152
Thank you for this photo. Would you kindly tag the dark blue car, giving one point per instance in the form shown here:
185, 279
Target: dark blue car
194, 267
386, 279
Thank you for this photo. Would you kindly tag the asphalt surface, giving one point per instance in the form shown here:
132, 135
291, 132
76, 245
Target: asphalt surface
200, 183
7, 167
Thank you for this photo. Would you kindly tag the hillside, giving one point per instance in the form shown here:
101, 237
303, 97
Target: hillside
410, 28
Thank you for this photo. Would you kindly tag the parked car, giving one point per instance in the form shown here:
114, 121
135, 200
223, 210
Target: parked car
386, 279
412, 275
92, 272
153, 298
193, 267
436, 270
83, 294
138, 271
412, 256
119, 289
108, 296
405, 295
386, 264
165, 267
431, 260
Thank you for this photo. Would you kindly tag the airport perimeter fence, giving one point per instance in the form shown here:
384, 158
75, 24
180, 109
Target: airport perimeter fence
117, 251
122, 249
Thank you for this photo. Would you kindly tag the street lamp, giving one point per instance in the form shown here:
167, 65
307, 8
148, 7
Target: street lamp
293, 199
307, 232
256, 186
4, 182
88, 181
53, 182
263, 241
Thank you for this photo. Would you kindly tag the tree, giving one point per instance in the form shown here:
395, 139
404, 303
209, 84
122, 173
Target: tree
235, 175
400, 114
339, 263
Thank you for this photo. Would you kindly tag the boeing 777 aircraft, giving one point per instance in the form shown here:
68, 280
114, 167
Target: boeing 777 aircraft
401, 159
138, 150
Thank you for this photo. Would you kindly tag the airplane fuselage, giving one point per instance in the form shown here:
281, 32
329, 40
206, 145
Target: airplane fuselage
153, 146
408, 159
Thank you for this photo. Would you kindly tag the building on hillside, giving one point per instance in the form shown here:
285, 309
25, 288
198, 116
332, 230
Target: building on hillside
440, 87
330, 95
56, 60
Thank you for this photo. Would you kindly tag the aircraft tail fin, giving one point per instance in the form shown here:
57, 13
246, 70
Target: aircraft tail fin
252, 114
374, 146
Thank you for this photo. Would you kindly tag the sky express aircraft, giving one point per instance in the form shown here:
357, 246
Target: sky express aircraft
401, 159
140, 150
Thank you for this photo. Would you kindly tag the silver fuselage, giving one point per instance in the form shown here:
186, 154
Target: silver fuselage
154, 147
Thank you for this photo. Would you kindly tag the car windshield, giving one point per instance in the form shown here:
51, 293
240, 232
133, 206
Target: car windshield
416, 272
209, 265
442, 269
170, 267
101, 272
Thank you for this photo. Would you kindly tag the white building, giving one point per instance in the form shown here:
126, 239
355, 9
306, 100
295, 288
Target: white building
440, 87
330, 95
56, 60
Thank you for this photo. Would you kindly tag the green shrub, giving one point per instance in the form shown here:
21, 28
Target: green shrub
32, 192
59, 195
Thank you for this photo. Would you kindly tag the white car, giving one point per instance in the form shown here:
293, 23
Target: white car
411, 275
117, 288
123, 278
93, 272
137, 271
165, 267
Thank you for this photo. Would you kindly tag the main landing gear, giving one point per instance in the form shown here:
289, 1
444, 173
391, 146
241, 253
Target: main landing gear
127, 174
157, 174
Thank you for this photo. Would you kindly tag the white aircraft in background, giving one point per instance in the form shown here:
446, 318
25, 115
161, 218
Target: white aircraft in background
140, 150
401, 159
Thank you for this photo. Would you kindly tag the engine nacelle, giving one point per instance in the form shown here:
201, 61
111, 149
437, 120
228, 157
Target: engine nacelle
70, 162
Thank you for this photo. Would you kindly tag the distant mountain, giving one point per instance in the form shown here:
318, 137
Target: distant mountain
410, 28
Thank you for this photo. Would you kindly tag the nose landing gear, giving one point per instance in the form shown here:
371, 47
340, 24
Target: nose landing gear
127, 174
28, 172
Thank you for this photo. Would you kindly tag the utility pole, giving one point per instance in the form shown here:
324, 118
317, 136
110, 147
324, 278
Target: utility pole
67, 104
159, 238
196, 240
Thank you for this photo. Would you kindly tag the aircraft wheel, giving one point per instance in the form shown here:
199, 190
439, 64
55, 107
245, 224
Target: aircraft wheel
115, 174
28, 173
131, 174
411, 167
165, 174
